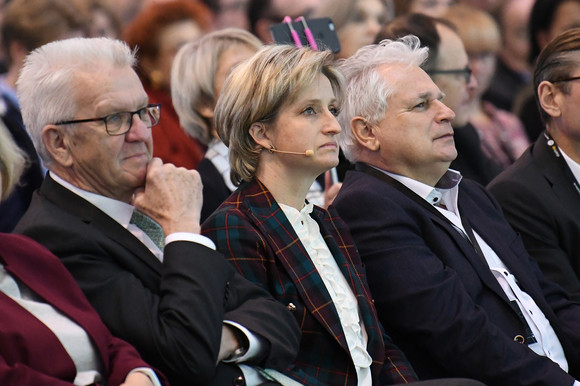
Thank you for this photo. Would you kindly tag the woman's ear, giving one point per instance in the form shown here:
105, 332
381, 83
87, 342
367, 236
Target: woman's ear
364, 134
549, 96
260, 135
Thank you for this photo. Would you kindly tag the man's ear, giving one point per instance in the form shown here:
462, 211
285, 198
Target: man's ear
260, 135
364, 133
53, 138
550, 96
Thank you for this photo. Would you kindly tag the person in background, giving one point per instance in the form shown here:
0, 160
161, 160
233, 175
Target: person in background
539, 193
104, 20
49, 332
433, 8
502, 135
452, 282
199, 71
126, 225
26, 25
158, 32
512, 73
263, 13
448, 66
548, 19
357, 22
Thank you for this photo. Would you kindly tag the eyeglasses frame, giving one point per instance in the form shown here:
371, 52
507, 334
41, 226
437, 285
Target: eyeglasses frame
104, 119
466, 72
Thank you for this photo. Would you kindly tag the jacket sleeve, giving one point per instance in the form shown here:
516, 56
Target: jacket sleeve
177, 325
536, 219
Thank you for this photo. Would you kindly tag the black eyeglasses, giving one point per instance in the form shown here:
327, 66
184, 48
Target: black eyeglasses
567, 79
466, 72
120, 123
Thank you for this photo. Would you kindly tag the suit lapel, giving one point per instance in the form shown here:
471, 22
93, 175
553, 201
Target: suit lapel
558, 174
289, 250
90, 214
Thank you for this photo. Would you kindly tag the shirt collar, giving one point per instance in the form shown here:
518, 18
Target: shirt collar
118, 210
573, 165
445, 190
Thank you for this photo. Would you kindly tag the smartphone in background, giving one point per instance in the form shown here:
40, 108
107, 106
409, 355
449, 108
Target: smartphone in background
322, 29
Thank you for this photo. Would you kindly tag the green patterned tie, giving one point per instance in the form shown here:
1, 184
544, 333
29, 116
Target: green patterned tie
150, 227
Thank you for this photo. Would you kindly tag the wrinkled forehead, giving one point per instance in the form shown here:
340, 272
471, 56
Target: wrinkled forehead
109, 90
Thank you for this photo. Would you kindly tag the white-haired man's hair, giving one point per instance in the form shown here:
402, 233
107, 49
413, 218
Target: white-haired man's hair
47, 85
366, 90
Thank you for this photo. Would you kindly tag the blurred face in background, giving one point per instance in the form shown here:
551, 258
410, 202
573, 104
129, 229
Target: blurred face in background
434, 8
514, 24
362, 26
567, 16
456, 87
171, 39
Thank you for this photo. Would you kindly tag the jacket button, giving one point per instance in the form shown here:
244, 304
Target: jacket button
520, 339
239, 381
291, 307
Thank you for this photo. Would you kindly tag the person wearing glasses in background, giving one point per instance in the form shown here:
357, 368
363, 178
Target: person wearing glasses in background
448, 66
540, 194
127, 226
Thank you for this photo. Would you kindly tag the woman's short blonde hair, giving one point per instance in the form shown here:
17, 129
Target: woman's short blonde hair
12, 162
478, 30
193, 77
255, 92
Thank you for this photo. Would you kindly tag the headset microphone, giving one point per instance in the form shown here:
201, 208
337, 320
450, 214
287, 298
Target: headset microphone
307, 153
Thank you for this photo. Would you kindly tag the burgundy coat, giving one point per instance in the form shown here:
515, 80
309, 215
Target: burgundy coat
30, 354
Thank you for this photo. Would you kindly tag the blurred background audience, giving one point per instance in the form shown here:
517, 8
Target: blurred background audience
548, 19
27, 25
199, 71
357, 22
158, 32
512, 71
502, 134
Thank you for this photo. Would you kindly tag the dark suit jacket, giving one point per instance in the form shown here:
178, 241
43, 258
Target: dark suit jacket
540, 201
215, 190
438, 298
30, 353
254, 233
172, 312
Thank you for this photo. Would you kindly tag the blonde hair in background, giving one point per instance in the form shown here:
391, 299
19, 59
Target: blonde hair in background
193, 77
12, 162
255, 92
478, 29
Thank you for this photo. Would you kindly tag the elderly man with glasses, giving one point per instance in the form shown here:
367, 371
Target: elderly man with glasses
452, 282
127, 226
540, 192
448, 67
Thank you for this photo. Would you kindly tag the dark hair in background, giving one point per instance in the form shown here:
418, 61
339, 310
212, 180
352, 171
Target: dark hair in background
422, 26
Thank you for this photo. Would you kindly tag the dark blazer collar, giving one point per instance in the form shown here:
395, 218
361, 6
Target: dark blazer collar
72, 203
556, 171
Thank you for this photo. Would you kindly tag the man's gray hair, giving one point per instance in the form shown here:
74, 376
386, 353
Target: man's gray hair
367, 90
48, 86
